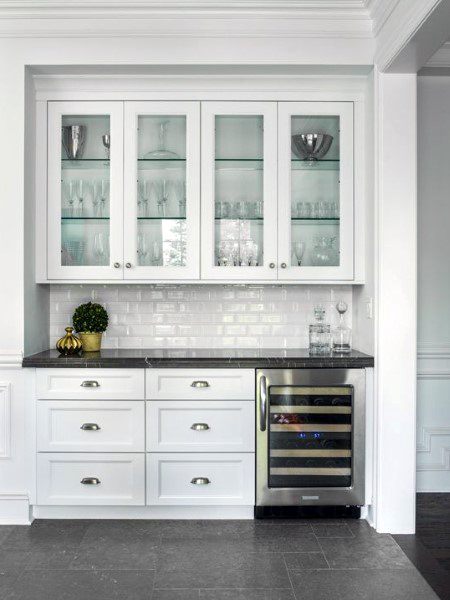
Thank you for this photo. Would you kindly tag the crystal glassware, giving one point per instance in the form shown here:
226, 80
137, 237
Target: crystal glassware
69, 193
299, 251
73, 139
106, 139
156, 253
162, 195
324, 253
342, 334
319, 334
99, 247
142, 248
144, 188
161, 152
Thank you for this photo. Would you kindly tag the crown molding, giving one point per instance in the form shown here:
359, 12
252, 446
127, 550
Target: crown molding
441, 59
380, 11
202, 18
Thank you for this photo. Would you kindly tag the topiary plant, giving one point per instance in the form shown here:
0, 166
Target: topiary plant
90, 318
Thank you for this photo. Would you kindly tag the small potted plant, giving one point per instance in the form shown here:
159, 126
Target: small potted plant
90, 320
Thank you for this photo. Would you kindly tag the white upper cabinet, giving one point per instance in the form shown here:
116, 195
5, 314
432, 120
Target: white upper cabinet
315, 190
85, 190
162, 190
213, 191
239, 193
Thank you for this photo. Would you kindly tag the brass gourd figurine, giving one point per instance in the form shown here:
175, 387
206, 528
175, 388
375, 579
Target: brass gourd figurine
69, 344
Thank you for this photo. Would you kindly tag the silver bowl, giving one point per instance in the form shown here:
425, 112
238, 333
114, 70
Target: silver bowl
73, 138
311, 146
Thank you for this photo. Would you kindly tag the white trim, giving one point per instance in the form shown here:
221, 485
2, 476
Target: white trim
10, 360
143, 512
433, 356
5, 419
14, 509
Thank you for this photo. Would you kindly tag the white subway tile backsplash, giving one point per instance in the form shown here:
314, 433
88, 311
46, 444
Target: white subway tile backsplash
200, 316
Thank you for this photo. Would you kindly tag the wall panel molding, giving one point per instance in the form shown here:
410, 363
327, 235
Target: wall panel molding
433, 361
5, 419
425, 446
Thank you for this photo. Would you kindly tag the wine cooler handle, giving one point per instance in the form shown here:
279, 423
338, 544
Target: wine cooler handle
262, 402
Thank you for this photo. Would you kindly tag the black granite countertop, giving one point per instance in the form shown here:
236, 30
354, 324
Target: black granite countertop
192, 358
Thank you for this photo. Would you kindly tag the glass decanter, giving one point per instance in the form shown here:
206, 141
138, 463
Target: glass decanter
161, 152
319, 334
342, 334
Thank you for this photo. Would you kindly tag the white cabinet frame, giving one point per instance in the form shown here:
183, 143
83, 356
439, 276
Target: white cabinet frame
345, 270
191, 110
55, 270
209, 270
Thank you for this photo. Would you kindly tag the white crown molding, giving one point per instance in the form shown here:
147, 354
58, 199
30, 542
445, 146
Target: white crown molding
380, 11
441, 59
202, 18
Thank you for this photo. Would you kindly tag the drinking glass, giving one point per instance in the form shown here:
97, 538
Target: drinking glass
162, 198
142, 249
69, 193
82, 190
144, 188
104, 193
180, 193
299, 251
99, 247
156, 253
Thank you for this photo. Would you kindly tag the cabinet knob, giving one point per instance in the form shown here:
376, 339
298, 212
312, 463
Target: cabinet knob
200, 426
90, 427
128, 265
90, 384
200, 481
283, 265
272, 265
117, 265
90, 481
199, 384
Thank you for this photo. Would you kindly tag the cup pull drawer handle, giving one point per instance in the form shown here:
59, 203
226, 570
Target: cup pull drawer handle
200, 426
199, 384
90, 383
90, 427
90, 481
200, 481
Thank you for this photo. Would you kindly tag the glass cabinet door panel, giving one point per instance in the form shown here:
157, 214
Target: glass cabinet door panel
162, 157
310, 436
316, 190
239, 201
83, 198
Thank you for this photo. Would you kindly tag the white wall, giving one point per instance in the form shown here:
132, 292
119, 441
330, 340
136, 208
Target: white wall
433, 407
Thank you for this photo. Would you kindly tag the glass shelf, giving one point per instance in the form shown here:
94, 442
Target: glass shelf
84, 218
161, 160
85, 163
316, 220
239, 219
161, 218
298, 164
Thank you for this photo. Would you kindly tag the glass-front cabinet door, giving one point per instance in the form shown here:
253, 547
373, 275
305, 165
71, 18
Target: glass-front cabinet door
315, 190
85, 190
162, 190
239, 196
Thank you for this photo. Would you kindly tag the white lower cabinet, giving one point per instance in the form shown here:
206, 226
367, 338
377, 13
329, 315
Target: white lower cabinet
91, 479
90, 426
200, 426
193, 479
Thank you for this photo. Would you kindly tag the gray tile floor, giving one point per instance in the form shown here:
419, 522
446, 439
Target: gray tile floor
207, 560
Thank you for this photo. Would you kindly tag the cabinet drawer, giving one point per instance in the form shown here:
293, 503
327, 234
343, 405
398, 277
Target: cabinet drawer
200, 384
116, 479
92, 384
90, 426
227, 479
201, 426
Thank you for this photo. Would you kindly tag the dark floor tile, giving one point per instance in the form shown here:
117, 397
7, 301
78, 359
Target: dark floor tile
11, 559
361, 584
176, 595
202, 569
114, 556
86, 585
111, 532
46, 534
8, 578
332, 530
5, 530
305, 560
373, 552
247, 594
420, 556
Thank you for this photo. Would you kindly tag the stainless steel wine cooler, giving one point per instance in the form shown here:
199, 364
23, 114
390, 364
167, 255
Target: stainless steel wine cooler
310, 437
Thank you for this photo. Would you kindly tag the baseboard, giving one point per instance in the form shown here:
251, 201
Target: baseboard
143, 512
15, 509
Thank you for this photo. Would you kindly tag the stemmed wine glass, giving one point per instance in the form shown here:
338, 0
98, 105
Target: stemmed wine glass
69, 192
299, 251
162, 190
142, 248
82, 189
144, 188
99, 247
180, 192
156, 252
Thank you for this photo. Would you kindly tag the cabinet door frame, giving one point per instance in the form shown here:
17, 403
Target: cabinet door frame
345, 270
209, 270
55, 270
191, 110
